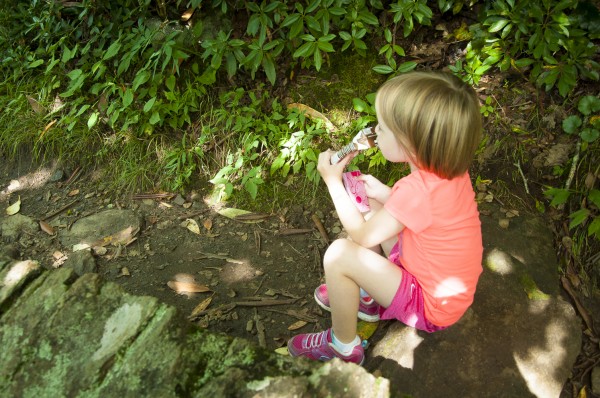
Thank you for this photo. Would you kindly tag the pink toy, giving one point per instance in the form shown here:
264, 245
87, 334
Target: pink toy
356, 190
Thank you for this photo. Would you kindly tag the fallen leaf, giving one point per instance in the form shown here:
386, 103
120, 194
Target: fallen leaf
183, 277
14, 208
187, 205
125, 272
504, 223
187, 14
192, 225
242, 215
59, 259
187, 288
37, 108
313, 114
366, 329
73, 192
297, 325
99, 250
207, 224
201, 307
121, 238
47, 228
282, 351
47, 128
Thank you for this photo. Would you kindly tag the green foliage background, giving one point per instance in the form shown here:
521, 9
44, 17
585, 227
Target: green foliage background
165, 91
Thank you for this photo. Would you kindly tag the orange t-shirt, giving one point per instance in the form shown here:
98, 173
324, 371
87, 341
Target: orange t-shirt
441, 243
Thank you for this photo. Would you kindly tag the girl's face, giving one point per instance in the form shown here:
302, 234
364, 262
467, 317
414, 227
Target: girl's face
388, 145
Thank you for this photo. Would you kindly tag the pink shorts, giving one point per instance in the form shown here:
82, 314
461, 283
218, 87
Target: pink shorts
407, 305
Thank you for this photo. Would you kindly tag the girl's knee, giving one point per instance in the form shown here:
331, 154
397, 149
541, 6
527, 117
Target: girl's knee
336, 252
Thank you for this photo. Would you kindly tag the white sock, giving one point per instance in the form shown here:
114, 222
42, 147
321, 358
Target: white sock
364, 295
343, 348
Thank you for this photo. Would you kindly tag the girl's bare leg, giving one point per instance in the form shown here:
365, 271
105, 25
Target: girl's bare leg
348, 267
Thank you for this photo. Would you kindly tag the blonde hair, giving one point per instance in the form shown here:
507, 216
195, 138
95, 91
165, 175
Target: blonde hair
435, 118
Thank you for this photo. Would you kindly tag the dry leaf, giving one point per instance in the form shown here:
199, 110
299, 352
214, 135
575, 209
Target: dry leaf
192, 225
124, 237
208, 224
187, 288
504, 222
47, 127
201, 307
313, 114
37, 108
187, 205
242, 215
125, 272
59, 259
297, 325
14, 208
282, 351
187, 15
47, 228
183, 277
73, 192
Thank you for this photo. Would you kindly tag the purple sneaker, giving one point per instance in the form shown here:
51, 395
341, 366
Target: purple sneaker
318, 347
368, 310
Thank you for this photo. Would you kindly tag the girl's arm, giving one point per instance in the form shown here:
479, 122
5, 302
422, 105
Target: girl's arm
379, 228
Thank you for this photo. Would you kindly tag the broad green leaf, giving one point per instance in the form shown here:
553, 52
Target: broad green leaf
498, 25
127, 97
93, 119
149, 104
269, 68
155, 118
170, 82
35, 63
252, 188
578, 217
383, 69
571, 124
113, 49
359, 105
407, 66
594, 227
140, 79
589, 104
277, 164
589, 134
558, 195
594, 196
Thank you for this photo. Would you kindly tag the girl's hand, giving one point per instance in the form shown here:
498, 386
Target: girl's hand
375, 188
332, 172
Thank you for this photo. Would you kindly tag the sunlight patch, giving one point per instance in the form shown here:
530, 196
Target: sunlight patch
450, 287
18, 271
400, 345
499, 262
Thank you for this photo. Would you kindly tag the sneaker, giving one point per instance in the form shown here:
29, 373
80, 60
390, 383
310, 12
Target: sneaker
368, 309
318, 347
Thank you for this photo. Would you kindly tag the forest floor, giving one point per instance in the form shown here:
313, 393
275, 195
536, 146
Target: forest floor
255, 276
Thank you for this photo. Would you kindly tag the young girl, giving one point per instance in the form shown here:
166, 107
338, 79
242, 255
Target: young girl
417, 256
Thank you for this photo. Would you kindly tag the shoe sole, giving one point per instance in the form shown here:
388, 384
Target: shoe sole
361, 315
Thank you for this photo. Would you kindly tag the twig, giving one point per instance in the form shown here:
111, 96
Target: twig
582, 311
518, 164
198, 213
295, 314
57, 212
294, 231
257, 241
260, 330
264, 303
219, 257
152, 196
260, 284
320, 227
73, 176
573, 165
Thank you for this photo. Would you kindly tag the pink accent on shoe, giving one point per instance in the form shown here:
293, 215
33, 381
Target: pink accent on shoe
368, 312
319, 347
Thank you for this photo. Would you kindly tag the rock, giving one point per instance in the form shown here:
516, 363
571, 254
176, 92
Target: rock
519, 335
57, 175
596, 380
82, 262
179, 200
70, 336
98, 226
12, 227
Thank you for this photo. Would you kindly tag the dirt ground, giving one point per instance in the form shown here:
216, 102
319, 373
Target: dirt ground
268, 267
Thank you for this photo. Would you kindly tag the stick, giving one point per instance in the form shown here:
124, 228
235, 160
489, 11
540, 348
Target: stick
320, 227
264, 303
573, 165
582, 311
518, 164
294, 231
295, 314
57, 212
